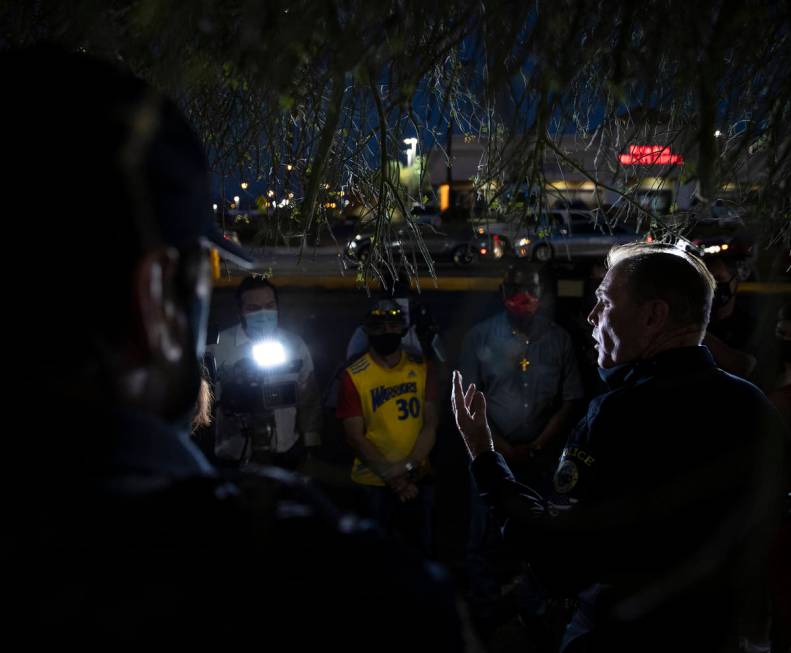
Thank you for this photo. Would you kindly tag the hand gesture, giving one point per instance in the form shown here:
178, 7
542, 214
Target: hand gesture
469, 409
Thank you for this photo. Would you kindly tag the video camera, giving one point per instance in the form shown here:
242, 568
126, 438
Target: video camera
257, 385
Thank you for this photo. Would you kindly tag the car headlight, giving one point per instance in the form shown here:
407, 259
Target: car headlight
523, 242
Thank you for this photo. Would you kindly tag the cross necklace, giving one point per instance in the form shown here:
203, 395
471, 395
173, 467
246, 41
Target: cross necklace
524, 363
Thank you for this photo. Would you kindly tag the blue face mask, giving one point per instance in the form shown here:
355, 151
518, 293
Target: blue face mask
613, 376
260, 324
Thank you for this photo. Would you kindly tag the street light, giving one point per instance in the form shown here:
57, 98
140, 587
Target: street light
412, 151
236, 201
244, 185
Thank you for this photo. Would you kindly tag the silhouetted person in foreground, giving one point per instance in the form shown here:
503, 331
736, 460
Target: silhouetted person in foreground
123, 535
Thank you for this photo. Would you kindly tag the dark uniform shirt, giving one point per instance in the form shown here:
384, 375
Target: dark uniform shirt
664, 489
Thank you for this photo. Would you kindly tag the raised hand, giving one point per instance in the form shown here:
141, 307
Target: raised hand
469, 409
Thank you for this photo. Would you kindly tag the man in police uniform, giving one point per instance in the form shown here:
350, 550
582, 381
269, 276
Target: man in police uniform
387, 404
667, 490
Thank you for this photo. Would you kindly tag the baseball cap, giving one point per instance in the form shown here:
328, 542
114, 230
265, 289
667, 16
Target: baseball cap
102, 163
385, 311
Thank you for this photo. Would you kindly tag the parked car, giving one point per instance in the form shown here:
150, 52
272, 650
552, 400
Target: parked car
456, 241
565, 234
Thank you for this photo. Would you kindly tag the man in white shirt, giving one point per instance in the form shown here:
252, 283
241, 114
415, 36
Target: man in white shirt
268, 404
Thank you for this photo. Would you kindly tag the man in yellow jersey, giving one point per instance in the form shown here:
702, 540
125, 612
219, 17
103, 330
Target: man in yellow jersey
387, 405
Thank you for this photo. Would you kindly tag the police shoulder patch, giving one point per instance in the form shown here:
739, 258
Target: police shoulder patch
566, 476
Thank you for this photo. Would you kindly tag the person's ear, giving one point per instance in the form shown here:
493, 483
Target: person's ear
656, 313
161, 319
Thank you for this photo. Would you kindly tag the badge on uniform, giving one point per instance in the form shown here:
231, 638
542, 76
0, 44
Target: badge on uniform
566, 476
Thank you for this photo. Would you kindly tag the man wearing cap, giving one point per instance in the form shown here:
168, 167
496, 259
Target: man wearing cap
387, 405
119, 532
284, 422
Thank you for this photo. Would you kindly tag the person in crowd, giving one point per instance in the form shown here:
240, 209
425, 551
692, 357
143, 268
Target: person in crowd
204, 407
668, 491
781, 393
730, 327
526, 365
780, 558
120, 532
387, 404
422, 334
269, 407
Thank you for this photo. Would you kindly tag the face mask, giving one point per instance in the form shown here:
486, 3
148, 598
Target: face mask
385, 344
521, 304
785, 351
260, 324
722, 294
614, 376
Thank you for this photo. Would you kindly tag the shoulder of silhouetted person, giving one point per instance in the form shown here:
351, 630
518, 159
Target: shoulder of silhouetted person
255, 559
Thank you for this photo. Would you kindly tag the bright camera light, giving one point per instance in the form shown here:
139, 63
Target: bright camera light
269, 353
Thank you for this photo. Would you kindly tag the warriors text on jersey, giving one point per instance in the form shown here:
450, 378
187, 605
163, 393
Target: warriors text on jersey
391, 402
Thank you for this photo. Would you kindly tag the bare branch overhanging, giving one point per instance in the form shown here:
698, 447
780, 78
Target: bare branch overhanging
317, 97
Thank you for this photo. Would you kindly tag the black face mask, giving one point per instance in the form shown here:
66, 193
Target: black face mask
785, 350
722, 295
385, 344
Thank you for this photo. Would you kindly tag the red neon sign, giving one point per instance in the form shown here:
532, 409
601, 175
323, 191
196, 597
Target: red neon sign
650, 155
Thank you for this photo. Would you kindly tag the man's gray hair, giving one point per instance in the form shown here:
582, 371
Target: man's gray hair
669, 273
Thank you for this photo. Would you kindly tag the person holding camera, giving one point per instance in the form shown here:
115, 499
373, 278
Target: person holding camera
268, 402
387, 403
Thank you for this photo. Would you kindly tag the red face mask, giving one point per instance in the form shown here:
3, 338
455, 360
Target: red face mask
521, 304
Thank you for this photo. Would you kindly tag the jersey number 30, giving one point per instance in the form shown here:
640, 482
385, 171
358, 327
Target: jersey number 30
408, 409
